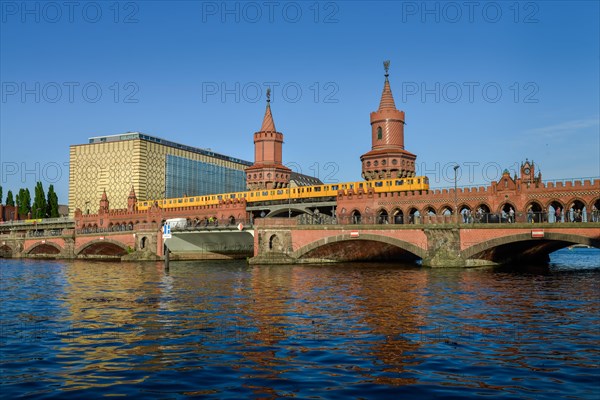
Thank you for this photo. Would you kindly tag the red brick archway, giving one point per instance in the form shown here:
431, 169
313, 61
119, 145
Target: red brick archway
367, 247
104, 247
522, 245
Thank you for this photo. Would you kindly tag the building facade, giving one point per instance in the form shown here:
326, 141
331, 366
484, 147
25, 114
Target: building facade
154, 167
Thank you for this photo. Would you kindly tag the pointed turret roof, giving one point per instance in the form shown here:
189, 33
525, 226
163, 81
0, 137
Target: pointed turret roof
387, 100
268, 124
132, 192
104, 195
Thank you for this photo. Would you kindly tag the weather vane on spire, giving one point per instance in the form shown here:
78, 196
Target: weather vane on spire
386, 67
268, 95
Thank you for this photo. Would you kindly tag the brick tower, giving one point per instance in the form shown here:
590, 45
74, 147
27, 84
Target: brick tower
387, 158
268, 172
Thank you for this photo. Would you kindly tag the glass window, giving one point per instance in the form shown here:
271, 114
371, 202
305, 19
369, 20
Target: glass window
186, 176
379, 133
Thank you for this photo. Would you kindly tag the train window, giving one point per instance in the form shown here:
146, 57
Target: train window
334, 187
326, 188
378, 184
145, 203
265, 193
280, 192
317, 189
418, 181
212, 197
352, 186
219, 197
251, 194
180, 200
388, 183
344, 186
360, 185
308, 190
191, 199
369, 184
232, 196
425, 180
410, 181
272, 192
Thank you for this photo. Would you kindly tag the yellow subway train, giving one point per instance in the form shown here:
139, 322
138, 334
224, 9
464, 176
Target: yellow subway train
301, 193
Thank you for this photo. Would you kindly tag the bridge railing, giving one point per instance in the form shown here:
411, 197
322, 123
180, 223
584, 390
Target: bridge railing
212, 224
41, 221
432, 219
116, 228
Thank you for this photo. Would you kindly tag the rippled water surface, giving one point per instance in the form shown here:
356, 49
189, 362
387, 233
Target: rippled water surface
229, 330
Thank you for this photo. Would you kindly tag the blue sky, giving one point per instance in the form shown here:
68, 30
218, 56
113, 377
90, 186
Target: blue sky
483, 84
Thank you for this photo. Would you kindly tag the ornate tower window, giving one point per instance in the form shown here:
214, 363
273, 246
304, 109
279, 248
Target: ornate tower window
379, 133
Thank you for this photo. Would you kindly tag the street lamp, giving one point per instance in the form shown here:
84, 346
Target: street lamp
289, 200
455, 194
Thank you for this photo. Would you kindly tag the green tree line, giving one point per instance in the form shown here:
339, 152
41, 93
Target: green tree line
44, 205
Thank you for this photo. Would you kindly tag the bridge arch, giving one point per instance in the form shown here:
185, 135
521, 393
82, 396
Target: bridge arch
429, 210
355, 216
576, 210
343, 248
539, 215
104, 247
397, 216
382, 216
523, 247
43, 247
446, 209
6, 251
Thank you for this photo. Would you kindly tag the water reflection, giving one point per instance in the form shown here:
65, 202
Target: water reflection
70, 329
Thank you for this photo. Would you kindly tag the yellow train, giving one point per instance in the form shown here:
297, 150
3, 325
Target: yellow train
303, 193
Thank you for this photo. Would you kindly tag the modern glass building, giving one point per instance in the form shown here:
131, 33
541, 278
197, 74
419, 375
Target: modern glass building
155, 167
187, 177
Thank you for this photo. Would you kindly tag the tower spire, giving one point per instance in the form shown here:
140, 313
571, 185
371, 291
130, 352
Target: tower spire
387, 158
268, 125
268, 171
387, 100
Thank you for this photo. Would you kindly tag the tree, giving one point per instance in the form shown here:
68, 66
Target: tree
52, 206
24, 202
9, 199
39, 202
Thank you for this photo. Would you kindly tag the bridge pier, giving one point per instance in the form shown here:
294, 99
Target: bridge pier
443, 248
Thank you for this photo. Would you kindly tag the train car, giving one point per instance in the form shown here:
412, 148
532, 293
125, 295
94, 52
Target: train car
301, 193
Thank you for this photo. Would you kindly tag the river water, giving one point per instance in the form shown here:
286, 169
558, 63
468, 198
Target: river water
228, 330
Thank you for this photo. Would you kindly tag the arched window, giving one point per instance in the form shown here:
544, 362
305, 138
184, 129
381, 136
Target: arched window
379, 133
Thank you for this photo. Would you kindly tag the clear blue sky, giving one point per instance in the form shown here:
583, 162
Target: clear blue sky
484, 86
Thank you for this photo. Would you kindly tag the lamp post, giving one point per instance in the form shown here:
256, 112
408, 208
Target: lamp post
455, 194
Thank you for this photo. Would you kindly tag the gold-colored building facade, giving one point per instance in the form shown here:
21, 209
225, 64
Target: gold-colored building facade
116, 163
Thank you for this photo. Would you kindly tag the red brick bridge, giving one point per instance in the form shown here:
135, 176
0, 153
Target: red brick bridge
437, 245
